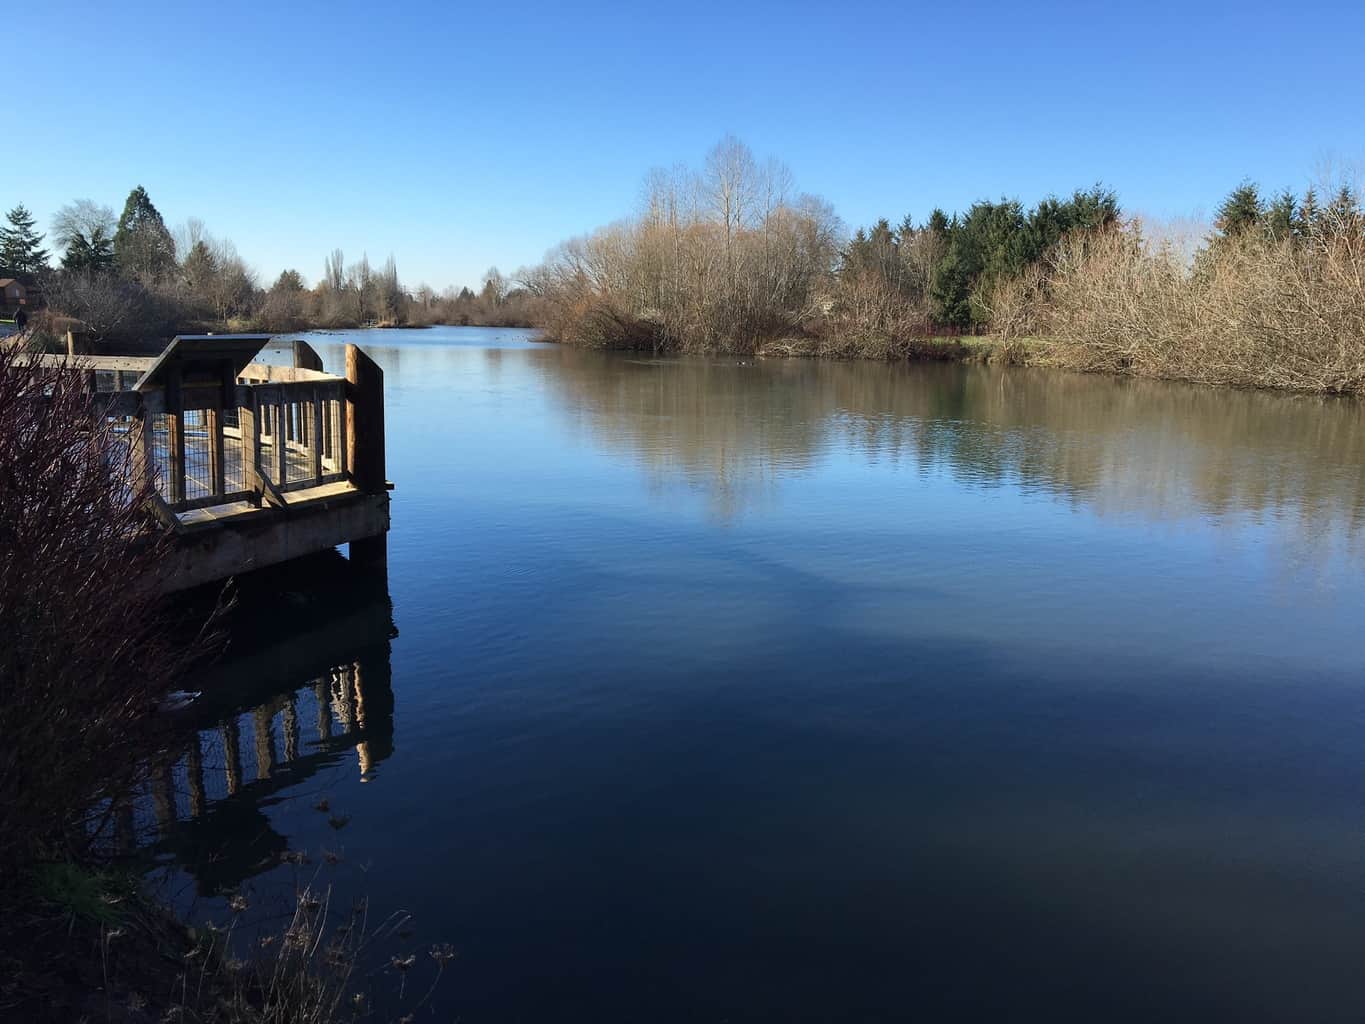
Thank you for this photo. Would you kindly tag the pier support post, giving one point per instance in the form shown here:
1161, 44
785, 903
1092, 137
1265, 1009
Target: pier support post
365, 447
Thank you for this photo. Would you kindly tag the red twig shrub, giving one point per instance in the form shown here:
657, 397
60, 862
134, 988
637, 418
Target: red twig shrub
83, 651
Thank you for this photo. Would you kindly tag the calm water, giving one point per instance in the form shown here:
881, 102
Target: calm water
727, 691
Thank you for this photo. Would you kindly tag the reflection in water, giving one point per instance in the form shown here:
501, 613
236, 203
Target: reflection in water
893, 687
1118, 445
320, 656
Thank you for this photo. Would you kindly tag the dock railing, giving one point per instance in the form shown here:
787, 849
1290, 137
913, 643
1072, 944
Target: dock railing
253, 435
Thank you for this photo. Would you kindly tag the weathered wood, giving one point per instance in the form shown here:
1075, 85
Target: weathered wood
175, 439
365, 420
315, 435
217, 462
133, 364
338, 494
282, 374
248, 425
164, 514
279, 443
270, 493
267, 537
306, 357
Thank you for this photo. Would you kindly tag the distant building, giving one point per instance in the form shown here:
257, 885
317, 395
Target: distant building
15, 295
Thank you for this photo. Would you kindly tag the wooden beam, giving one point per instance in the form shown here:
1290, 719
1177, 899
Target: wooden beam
365, 420
249, 426
315, 435
175, 442
268, 537
217, 469
306, 357
279, 443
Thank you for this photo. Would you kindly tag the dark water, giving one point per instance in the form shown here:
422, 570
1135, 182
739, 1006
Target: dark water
714, 691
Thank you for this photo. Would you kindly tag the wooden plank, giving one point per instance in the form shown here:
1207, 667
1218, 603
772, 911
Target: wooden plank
164, 514
248, 427
279, 444
315, 436
261, 537
217, 468
306, 357
284, 374
133, 364
339, 444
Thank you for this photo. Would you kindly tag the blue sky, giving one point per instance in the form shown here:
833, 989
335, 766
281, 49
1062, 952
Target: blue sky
459, 136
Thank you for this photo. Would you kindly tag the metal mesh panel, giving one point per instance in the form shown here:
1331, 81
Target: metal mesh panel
161, 453
198, 481
234, 452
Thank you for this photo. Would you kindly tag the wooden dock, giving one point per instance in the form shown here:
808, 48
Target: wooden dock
253, 464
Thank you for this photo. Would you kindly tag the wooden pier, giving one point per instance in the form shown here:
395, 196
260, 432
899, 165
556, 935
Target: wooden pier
253, 464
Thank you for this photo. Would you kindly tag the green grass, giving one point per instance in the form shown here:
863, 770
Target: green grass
88, 894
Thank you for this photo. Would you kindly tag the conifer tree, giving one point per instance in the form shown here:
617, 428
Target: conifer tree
1240, 211
21, 251
142, 245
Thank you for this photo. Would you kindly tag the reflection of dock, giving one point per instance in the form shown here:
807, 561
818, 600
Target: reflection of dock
252, 464
269, 720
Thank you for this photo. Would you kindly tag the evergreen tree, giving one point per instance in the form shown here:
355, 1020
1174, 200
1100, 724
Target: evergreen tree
21, 251
200, 270
1241, 210
142, 245
1281, 216
288, 281
1306, 221
1343, 212
94, 252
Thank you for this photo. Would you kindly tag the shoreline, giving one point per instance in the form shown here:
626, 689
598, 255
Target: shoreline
1035, 352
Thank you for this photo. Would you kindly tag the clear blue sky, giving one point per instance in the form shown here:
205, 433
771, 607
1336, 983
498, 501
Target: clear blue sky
459, 136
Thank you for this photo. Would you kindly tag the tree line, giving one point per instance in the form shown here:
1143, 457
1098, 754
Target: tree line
729, 257
130, 279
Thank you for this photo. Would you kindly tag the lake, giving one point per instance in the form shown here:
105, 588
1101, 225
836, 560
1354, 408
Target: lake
736, 690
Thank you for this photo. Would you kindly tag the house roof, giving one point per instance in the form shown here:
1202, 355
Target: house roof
5, 282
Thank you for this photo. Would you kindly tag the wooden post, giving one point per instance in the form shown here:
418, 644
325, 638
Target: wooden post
365, 444
323, 697
315, 436
291, 729
263, 721
365, 420
213, 419
306, 357
194, 771
281, 445
232, 755
340, 454
249, 424
175, 438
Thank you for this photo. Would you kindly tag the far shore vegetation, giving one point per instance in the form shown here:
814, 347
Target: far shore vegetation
732, 258
129, 282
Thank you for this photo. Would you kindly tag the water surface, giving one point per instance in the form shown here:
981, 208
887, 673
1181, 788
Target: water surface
723, 690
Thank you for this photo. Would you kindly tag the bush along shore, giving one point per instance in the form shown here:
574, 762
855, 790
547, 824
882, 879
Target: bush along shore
87, 656
731, 259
